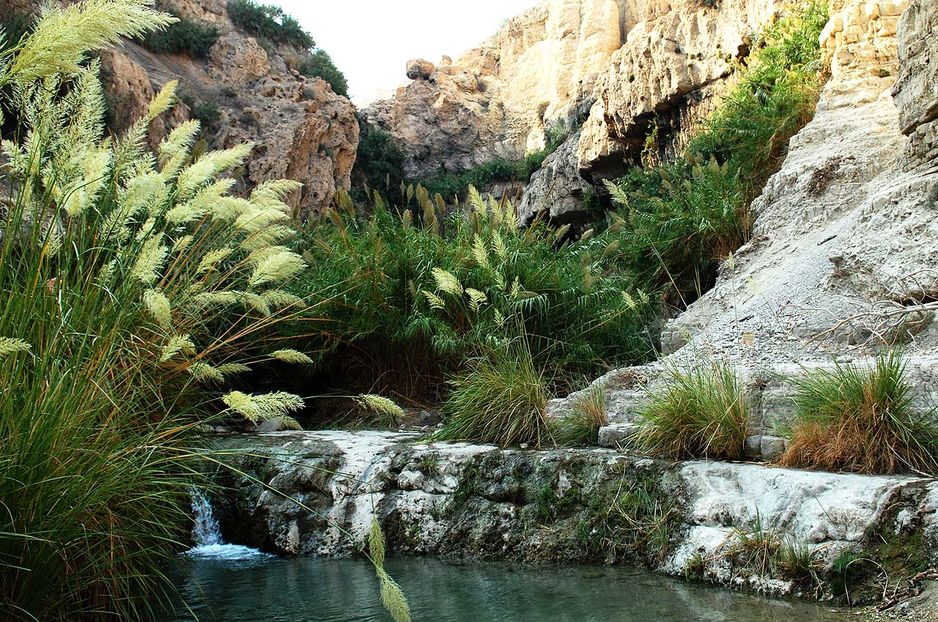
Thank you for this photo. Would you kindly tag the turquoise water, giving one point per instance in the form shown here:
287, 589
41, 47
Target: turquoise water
244, 586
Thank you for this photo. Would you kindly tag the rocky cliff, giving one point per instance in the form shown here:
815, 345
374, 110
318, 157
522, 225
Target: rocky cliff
246, 89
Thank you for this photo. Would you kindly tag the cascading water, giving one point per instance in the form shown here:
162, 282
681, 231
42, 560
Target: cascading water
206, 535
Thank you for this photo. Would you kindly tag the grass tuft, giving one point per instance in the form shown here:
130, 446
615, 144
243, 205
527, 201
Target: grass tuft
863, 421
581, 425
500, 399
701, 413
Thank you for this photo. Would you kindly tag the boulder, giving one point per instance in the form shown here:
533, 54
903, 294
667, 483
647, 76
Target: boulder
420, 69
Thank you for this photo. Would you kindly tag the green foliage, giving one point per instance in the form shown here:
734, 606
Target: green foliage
319, 65
851, 419
681, 218
581, 425
499, 399
132, 282
270, 22
184, 37
392, 293
205, 111
379, 163
701, 413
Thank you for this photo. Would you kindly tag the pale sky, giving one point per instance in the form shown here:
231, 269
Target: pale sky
372, 40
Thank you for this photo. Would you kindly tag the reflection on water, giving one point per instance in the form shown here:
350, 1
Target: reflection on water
255, 588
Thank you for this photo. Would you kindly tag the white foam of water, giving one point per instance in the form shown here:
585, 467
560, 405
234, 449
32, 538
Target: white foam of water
207, 536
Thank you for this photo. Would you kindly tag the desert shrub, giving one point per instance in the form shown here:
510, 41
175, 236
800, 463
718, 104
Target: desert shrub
133, 286
851, 419
581, 425
319, 65
405, 295
701, 413
183, 37
683, 217
500, 398
270, 22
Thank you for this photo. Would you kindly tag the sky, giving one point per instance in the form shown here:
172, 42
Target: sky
372, 40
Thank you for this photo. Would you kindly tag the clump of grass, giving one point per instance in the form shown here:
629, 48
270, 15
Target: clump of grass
863, 421
581, 425
701, 413
799, 562
500, 399
755, 548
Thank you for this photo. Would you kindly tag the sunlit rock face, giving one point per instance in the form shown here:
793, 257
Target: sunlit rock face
302, 130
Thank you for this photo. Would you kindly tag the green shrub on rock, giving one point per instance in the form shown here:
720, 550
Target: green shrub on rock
270, 22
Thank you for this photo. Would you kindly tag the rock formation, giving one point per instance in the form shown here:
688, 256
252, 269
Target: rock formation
481, 502
497, 100
302, 130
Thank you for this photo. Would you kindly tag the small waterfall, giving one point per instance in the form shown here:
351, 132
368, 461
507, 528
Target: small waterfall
206, 535
205, 529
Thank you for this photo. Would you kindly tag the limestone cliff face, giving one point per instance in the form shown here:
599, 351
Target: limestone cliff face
616, 67
847, 226
301, 128
498, 99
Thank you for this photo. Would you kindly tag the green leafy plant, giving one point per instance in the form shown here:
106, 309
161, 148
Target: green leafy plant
270, 22
407, 299
320, 65
183, 37
701, 413
851, 419
679, 219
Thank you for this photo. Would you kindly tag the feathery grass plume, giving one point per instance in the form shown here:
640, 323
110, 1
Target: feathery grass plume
859, 420
211, 259
446, 282
382, 406
256, 408
159, 307
150, 260
229, 208
433, 300
480, 253
499, 246
280, 299
288, 355
174, 149
163, 100
476, 299
210, 164
255, 301
84, 190
392, 596
12, 345
272, 193
701, 413
232, 368
277, 267
64, 35
177, 344
204, 372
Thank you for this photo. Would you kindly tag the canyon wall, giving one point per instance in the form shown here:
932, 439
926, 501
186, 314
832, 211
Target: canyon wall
301, 129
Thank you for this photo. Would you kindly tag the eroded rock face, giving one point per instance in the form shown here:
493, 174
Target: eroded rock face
675, 58
842, 228
477, 501
916, 89
301, 128
498, 99
556, 190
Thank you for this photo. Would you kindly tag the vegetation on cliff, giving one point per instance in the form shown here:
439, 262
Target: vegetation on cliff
684, 217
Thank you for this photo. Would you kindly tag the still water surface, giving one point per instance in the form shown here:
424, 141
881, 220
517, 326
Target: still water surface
245, 586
